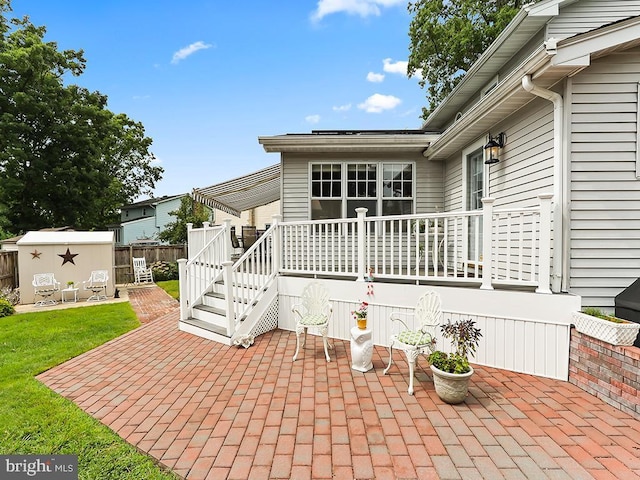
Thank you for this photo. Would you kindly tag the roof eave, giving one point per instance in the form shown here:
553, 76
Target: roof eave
342, 143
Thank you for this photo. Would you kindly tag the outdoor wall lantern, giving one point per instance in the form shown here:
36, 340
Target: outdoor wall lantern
493, 147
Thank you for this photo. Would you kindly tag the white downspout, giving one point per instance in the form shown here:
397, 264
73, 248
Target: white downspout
558, 177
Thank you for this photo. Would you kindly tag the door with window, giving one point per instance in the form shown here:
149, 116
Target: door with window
475, 192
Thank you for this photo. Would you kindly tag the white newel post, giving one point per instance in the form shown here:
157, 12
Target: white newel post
227, 277
544, 268
228, 248
182, 285
189, 240
276, 247
487, 228
362, 267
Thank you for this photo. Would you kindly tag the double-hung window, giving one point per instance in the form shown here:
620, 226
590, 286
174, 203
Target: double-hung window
384, 188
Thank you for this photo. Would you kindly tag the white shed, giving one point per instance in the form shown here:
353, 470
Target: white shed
70, 256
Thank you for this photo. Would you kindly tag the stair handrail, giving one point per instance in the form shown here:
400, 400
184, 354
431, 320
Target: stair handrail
202, 262
248, 285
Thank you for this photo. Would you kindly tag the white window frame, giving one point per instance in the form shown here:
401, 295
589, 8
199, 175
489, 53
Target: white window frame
379, 183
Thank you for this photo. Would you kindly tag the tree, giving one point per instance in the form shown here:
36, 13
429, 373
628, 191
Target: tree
65, 159
448, 36
190, 211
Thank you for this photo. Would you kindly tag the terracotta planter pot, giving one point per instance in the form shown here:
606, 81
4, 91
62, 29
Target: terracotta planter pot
610, 332
451, 387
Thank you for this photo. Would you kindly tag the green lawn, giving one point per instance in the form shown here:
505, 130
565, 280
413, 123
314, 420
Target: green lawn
35, 420
171, 287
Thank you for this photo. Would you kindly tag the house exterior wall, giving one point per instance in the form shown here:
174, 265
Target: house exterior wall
162, 212
132, 213
604, 187
139, 229
429, 189
525, 169
587, 15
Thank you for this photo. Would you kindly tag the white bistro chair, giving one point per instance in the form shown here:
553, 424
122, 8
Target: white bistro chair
419, 337
313, 312
141, 273
45, 286
97, 283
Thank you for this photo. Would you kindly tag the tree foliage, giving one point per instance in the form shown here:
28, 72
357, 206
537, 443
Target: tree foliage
190, 211
65, 159
448, 36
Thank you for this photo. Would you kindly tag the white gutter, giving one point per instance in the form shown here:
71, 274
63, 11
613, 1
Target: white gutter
559, 175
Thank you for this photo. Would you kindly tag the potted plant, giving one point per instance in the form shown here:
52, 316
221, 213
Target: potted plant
360, 314
71, 284
451, 371
608, 328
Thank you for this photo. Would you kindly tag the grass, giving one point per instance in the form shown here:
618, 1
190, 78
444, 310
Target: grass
171, 287
35, 420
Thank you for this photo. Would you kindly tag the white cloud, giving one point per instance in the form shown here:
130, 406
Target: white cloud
312, 118
390, 66
399, 67
190, 50
377, 103
342, 108
141, 97
364, 8
375, 77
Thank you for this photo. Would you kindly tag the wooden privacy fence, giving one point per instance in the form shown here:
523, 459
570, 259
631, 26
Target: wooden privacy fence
156, 253
8, 269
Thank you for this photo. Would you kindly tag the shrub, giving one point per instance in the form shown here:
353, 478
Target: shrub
10, 295
6, 309
163, 271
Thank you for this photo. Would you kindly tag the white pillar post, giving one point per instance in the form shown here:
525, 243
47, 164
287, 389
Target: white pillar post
228, 248
362, 267
183, 288
276, 247
544, 250
227, 276
487, 228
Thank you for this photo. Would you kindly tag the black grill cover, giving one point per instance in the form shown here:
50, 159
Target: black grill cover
628, 305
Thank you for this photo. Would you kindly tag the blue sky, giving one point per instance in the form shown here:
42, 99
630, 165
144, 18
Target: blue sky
207, 77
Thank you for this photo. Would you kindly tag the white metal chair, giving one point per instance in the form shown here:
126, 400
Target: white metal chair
421, 337
314, 312
97, 283
141, 273
45, 286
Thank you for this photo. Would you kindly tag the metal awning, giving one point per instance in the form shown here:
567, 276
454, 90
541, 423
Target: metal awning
242, 193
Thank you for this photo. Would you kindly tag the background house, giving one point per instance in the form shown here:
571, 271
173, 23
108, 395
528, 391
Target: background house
141, 222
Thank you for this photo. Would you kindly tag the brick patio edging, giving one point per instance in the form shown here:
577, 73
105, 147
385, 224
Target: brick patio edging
611, 373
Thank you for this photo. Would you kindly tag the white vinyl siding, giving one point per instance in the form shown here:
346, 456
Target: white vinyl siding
605, 193
587, 15
525, 169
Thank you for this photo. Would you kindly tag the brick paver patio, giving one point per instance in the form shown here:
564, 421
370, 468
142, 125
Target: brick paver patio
210, 411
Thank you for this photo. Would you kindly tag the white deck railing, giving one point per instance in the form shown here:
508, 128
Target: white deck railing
486, 248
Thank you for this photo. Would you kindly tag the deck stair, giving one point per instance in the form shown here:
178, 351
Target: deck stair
225, 312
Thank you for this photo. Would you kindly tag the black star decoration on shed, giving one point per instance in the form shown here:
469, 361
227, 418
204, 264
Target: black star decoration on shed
67, 257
